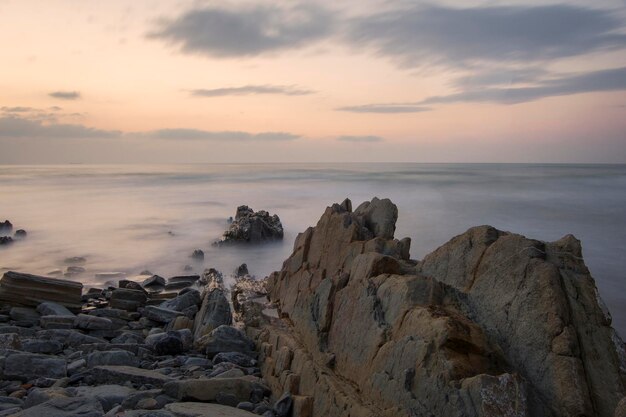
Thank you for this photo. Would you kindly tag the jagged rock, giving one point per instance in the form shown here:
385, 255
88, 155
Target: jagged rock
237, 358
242, 270
491, 324
6, 240
226, 339
283, 406
198, 255
31, 290
180, 282
130, 285
214, 312
252, 227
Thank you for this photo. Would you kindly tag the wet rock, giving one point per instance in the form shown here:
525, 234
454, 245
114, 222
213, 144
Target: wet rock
110, 275
252, 227
182, 281
130, 285
71, 271
31, 290
75, 260
242, 270
283, 406
6, 240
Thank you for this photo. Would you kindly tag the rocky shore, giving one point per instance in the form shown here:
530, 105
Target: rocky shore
490, 324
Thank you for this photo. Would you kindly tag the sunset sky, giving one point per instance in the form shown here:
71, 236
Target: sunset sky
285, 81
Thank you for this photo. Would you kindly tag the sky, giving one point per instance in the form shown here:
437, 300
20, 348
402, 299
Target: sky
165, 81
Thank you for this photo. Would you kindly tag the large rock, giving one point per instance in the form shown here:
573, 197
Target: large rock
252, 227
53, 309
123, 374
491, 324
31, 290
127, 299
183, 301
214, 312
226, 339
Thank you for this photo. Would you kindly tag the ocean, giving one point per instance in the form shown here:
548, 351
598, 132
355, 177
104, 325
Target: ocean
127, 218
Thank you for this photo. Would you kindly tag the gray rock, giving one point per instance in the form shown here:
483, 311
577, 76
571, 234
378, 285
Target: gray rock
27, 366
214, 312
127, 299
65, 407
10, 341
69, 338
209, 389
154, 282
7, 403
181, 302
24, 314
107, 395
112, 357
53, 309
56, 322
159, 314
123, 374
88, 322
227, 339
159, 342
50, 347
236, 358
37, 396
196, 409
283, 406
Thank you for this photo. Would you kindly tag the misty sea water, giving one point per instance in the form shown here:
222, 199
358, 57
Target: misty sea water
129, 218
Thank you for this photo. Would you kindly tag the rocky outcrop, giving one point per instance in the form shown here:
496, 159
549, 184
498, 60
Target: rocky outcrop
6, 227
252, 227
490, 324
31, 290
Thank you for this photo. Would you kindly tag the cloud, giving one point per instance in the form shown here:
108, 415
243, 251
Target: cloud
595, 81
65, 95
360, 139
17, 127
286, 90
219, 135
16, 109
385, 108
457, 37
222, 31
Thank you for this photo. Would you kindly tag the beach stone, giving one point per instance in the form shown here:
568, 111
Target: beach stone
53, 309
69, 337
181, 302
7, 403
57, 322
123, 374
88, 322
208, 389
65, 407
127, 299
27, 366
159, 314
252, 227
199, 409
107, 395
24, 314
237, 358
10, 341
155, 281
176, 340
112, 357
31, 290
227, 339
37, 396
50, 347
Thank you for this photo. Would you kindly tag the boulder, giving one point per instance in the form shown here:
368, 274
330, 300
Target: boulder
171, 342
127, 299
154, 282
214, 312
183, 301
53, 309
159, 314
208, 389
20, 234
31, 290
226, 339
252, 227
6, 240
123, 374
89, 322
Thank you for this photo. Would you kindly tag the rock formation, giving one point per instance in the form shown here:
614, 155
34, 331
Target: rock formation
252, 227
490, 324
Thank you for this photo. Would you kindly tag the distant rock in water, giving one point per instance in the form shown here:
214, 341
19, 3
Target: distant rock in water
6, 227
491, 324
6, 240
75, 260
20, 234
252, 227
198, 255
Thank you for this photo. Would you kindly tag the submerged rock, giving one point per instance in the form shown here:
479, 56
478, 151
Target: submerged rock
6, 227
252, 227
